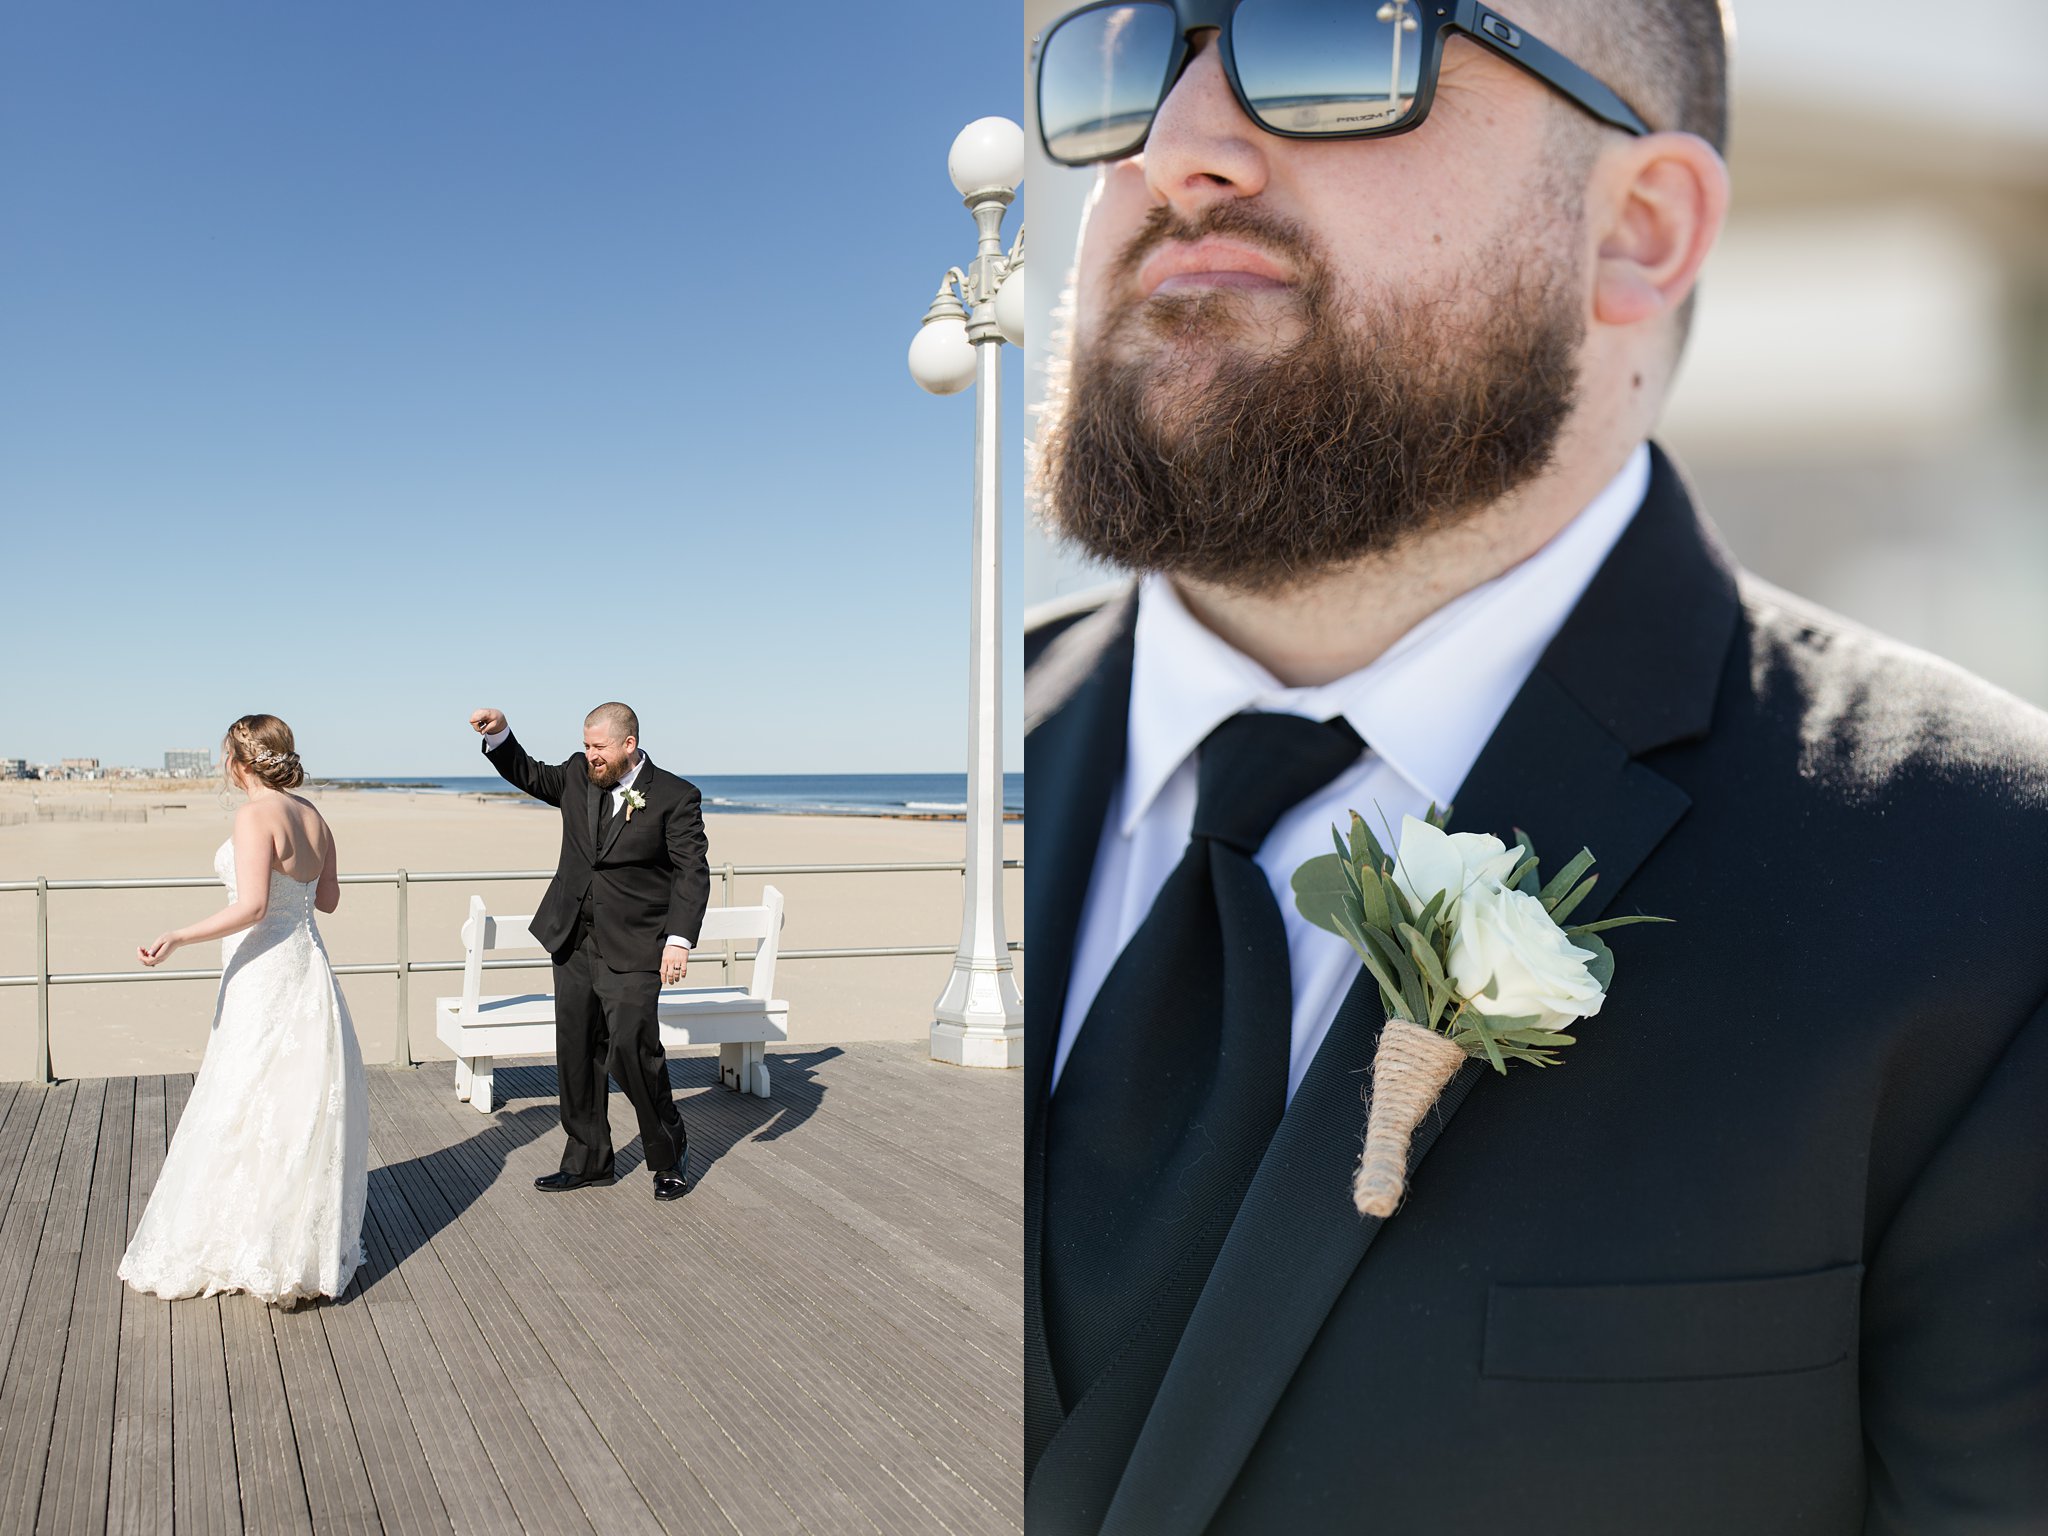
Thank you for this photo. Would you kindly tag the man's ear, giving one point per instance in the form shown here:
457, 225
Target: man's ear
1665, 197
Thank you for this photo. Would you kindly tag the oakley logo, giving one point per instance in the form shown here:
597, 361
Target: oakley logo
1500, 31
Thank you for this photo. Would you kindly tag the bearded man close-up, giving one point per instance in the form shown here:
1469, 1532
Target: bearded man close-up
1359, 383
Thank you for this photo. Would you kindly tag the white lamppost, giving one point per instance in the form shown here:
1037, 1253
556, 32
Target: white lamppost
1396, 11
978, 1020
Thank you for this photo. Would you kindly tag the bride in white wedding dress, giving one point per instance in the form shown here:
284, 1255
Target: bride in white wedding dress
263, 1186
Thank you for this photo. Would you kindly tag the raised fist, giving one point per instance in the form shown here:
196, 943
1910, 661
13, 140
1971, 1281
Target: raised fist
488, 722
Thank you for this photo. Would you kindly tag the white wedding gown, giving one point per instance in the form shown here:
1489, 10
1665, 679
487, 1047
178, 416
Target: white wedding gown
263, 1186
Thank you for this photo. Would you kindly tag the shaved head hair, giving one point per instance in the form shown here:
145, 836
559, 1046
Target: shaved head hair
1666, 58
622, 720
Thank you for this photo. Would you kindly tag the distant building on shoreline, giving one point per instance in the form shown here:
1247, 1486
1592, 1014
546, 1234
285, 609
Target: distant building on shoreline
188, 765
80, 768
14, 768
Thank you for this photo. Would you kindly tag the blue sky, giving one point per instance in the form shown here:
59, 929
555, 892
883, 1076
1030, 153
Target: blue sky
369, 362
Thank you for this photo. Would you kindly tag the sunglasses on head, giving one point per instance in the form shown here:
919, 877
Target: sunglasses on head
1303, 69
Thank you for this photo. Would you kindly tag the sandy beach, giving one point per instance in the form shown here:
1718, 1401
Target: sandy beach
123, 1029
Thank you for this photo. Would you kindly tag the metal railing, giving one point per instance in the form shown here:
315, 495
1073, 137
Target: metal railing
404, 967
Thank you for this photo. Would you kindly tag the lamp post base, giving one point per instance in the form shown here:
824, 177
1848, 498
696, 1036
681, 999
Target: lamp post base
980, 1020
973, 1045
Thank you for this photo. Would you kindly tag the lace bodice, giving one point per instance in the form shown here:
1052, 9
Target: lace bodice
291, 902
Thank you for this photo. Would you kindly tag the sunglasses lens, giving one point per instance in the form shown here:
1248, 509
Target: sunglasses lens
1101, 73
1328, 66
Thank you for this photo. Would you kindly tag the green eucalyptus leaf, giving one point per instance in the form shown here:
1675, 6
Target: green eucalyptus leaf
1612, 922
1321, 891
1398, 910
1372, 900
1527, 883
1432, 912
1564, 879
1569, 903
1364, 846
1424, 955
1601, 966
1491, 1047
1504, 1023
1517, 880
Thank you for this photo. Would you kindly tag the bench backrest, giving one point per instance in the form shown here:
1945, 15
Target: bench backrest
486, 931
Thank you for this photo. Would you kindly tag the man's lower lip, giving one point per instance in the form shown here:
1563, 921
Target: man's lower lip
1241, 280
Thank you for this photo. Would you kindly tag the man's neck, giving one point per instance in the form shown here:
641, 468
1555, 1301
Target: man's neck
1334, 622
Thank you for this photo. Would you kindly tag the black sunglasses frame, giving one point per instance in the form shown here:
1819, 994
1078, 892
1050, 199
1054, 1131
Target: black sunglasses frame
1484, 25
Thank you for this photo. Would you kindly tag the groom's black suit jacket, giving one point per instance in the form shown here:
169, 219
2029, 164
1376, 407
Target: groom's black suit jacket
1768, 1251
647, 878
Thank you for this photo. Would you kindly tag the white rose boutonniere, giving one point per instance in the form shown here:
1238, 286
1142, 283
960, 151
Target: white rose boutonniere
1472, 956
634, 801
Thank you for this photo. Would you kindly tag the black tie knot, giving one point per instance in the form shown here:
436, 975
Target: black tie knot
1253, 768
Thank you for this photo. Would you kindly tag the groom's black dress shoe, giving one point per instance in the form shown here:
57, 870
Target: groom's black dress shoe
558, 1181
670, 1184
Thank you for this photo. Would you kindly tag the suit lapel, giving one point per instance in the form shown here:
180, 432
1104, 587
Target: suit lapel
1077, 705
1635, 667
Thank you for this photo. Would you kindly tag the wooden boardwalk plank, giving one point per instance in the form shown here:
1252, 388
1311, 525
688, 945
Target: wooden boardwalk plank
824, 1338
465, 1481
541, 1497
980, 1277
347, 1406
963, 1312
564, 1307
28, 1399
683, 1319
76, 1481
266, 1454
758, 1339
23, 1100
813, 1297
812, 1281
21, 1232
204, 1493
204, 1496
139, 1490
602, 1487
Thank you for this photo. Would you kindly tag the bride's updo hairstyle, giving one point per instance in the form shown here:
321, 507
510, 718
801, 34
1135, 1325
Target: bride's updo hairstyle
260, 747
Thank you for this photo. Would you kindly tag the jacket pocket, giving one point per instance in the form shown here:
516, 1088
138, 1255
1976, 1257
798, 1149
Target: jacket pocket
1767, 1326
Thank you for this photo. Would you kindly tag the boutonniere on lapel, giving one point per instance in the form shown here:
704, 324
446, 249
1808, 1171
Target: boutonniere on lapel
633, 801
1473, 958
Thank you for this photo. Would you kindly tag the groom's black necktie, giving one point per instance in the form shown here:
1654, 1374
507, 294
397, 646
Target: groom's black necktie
1179, 1074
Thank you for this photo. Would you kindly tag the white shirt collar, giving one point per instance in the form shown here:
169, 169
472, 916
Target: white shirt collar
639, 762
1426, 706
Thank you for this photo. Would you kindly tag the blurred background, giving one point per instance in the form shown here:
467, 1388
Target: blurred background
1863, 400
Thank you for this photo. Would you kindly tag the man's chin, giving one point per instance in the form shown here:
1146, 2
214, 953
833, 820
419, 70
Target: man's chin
1207, 326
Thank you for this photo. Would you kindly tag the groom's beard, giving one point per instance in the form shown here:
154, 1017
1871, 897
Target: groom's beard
1253, 471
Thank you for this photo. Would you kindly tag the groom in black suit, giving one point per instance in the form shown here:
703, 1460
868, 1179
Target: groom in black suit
619, 919
1768, 1251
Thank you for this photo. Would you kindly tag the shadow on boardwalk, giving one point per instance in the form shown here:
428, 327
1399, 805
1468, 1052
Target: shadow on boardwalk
527, 1111
823, 1336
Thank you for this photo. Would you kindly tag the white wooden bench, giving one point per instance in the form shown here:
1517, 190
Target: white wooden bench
740, 1021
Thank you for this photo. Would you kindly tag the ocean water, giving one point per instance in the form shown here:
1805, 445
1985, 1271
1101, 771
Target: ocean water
763, 794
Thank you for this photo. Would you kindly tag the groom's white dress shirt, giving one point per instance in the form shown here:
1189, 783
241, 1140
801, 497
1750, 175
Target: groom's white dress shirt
498, 738
1425, 709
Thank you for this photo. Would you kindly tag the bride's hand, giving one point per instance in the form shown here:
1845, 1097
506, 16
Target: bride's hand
157, 953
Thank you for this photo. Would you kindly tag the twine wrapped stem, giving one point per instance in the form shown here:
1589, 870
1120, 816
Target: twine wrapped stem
1410, 1070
